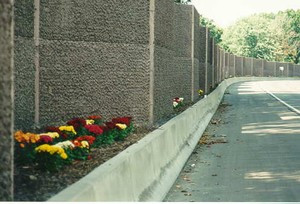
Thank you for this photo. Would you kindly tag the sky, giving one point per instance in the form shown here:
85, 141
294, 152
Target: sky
226, 12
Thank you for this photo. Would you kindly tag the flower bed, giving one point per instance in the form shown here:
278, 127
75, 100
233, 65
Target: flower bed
60, 146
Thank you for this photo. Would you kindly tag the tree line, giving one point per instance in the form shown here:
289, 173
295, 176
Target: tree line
269, 36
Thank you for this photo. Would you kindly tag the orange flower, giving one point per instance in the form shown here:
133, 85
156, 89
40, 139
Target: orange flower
22, 145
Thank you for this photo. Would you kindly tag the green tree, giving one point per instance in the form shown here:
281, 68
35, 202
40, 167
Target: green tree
214, 30
267, 36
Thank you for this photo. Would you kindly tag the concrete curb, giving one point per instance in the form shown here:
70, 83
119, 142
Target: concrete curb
146, 170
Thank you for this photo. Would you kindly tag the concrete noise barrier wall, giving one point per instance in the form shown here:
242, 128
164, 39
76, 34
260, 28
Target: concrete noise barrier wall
147, 170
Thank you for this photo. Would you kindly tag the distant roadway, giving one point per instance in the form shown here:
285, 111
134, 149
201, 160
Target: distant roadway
259, 158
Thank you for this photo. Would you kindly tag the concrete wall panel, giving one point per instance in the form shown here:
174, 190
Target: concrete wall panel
238, 66
258, 67
269, 69
6, 100
82, 78
231, 65
122, 21
296, 71
247, 66
24, 83
280, 73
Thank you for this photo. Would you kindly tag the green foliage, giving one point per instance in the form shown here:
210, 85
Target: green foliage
274, 37
214, 30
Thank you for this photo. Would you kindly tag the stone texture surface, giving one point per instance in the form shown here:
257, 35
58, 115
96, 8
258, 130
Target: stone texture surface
257, 67
231, 65
24, 73
23, 16
6, 101
280, 73
114, 21
247, 66
24, 83
269, 69
296, 71
83, 78
238, 66
226, 65
94, 59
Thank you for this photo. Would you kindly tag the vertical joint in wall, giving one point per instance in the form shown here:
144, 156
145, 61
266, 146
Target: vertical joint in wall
206, 60
151, 63
37, 61
192, 55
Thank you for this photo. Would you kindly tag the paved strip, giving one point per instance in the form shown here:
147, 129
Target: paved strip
260, 159
283, 102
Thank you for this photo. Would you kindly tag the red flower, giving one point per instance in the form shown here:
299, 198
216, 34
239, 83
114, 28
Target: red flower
110, 125
95, 129
94, 117
88, 138
76, 143
123, 120
77, 122
104, 128
45, 139
89, 157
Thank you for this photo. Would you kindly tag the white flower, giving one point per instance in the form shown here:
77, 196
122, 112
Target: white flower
65, 145
175, 104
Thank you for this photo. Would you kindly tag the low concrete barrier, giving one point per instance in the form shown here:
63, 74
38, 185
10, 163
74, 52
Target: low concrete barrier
146, 170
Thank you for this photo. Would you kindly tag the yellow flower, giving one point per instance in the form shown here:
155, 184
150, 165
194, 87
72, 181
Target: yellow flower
52, 149
89, 122
64, 155
69, 128
84, 144
121, 126
200, 92
50, 134
22, 145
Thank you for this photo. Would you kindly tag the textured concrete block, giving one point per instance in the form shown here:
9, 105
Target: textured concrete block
6, 100
196, 78
82, 78
23, 15
115, 21
269, 69
258, 67
284, 72
238, 66
296, 70
247, 66
231, 65
163, 25
226, 65
165, 83
24, 83
290, 69
197, 42
202, 44
182, 31
202, 76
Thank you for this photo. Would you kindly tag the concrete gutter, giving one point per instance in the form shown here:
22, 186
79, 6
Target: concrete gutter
146, 170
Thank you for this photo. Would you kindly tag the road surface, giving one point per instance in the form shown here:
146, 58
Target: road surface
250, 150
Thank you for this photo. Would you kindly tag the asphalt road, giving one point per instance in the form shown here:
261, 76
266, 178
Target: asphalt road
252, 150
